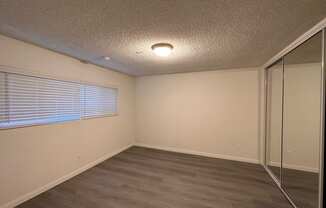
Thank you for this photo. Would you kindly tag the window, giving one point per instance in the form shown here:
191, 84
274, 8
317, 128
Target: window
27, 100
99, 101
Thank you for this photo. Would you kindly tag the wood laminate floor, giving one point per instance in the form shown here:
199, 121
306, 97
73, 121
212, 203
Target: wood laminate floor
147, 178
301, 186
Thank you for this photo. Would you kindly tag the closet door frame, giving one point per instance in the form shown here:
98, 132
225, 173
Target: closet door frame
322, 123
268, 71
278, 182
281, 56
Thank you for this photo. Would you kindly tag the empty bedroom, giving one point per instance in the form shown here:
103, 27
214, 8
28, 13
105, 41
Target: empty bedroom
162, 103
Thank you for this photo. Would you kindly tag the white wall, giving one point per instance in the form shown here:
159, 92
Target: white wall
212, 113
33, 157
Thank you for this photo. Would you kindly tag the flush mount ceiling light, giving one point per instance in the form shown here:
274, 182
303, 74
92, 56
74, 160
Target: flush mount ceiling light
162, 49
107, 58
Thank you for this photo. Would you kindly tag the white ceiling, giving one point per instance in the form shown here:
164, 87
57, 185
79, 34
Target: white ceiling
206, 34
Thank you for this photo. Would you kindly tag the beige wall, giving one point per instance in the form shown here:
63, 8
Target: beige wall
214, 112
32, 157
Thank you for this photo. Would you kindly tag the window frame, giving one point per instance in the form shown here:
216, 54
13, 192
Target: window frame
22, 72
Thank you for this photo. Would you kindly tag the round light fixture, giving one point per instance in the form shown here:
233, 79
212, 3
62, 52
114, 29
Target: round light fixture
162, 49
107, 58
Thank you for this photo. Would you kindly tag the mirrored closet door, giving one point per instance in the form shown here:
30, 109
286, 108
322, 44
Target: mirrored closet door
294, 122
301, 122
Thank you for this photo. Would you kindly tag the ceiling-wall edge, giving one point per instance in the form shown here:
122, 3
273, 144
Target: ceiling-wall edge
65, 54
236, 69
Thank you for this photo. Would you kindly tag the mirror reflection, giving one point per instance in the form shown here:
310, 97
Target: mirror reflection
301, 123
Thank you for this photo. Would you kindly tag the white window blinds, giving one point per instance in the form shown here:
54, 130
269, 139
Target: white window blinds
3, 103
99, 101
28, 100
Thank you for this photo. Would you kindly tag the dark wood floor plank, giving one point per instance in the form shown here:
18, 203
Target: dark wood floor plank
141, 177
302, 186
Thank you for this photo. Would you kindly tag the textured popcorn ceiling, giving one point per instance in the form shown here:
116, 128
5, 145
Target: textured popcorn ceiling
206, 34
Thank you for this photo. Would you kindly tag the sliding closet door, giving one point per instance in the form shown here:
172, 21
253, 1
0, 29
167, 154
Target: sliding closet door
274, 118
301, 123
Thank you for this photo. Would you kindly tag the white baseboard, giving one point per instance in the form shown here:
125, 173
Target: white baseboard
296, 167
62, 179
193, 152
